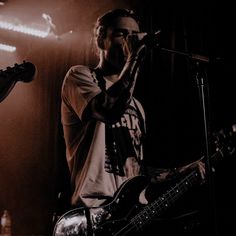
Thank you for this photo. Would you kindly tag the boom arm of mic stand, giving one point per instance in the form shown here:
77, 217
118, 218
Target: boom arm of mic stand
189, 55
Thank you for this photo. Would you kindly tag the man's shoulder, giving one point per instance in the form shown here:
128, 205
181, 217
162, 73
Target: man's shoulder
79, 72
80, 69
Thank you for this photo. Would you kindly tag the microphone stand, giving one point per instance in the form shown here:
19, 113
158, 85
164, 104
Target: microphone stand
201, 83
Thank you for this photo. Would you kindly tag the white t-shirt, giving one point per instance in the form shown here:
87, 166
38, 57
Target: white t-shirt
100, 156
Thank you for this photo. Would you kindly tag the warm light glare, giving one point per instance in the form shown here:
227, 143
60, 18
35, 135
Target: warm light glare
23, 29
7, 48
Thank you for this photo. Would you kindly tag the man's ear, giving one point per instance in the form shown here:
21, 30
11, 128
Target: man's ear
101, 34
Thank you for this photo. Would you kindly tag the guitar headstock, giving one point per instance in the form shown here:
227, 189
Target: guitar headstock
24, 72
225, 140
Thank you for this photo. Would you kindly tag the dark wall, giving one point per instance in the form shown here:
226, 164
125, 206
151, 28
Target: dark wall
32, 150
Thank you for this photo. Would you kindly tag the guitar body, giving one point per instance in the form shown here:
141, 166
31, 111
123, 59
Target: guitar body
111, 219
124, 214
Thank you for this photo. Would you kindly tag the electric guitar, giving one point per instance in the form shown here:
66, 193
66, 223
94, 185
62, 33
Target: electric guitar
125, 215
24, 72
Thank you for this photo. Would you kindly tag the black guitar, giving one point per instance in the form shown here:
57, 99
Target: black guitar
24, 72
124, 215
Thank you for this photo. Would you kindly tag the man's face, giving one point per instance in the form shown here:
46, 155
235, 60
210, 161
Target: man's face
115, 47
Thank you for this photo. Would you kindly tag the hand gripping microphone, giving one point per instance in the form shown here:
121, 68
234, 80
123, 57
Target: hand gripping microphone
151, 40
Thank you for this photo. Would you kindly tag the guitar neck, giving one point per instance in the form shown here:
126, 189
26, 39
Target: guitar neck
166, 200
172, 195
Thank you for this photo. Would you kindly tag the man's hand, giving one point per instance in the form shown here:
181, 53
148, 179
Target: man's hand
198, 165
133, 45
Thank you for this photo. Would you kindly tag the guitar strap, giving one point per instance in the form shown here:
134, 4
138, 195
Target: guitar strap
141, 117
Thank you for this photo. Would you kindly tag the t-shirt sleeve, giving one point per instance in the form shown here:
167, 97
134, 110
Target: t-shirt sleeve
79, 87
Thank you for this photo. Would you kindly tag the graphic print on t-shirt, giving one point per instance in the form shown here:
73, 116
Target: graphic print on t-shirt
123, 140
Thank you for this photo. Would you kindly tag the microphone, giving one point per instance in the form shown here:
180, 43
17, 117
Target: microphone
151, 40
24, 72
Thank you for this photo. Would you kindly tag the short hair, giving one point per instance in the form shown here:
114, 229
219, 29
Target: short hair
107, 19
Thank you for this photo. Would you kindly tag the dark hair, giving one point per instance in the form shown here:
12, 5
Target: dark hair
107, 19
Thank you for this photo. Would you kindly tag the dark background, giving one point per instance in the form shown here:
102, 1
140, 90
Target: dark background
32, 154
